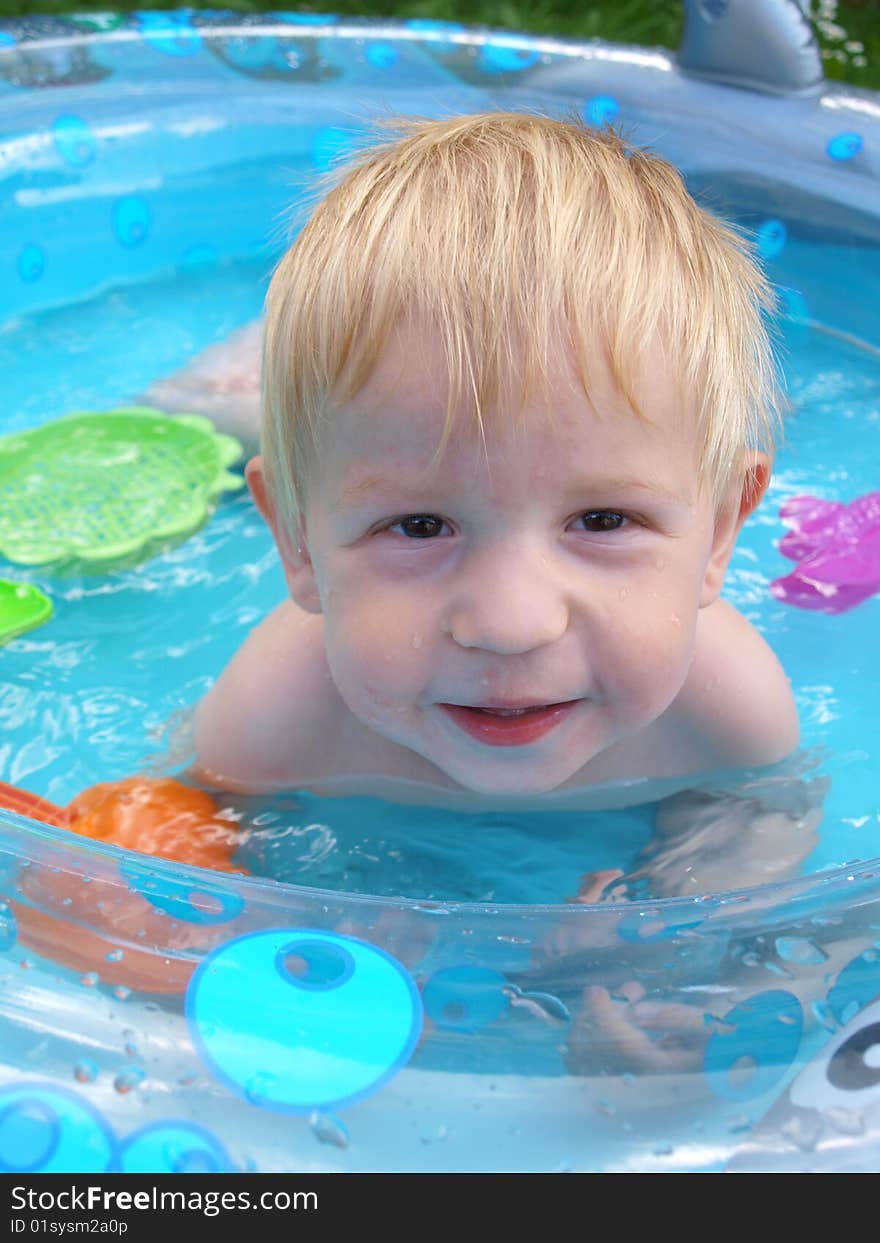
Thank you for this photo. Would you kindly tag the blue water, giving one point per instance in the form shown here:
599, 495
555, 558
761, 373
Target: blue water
89, 696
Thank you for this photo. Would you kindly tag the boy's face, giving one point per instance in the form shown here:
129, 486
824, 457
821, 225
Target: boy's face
560, 569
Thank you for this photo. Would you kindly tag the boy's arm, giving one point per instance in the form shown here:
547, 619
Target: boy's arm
738, 702
266, 723
222, 382
706, 841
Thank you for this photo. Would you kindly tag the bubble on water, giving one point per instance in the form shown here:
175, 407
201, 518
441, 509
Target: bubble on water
127, 1079
85, 1071
800, 950
328, 1129
258, 1088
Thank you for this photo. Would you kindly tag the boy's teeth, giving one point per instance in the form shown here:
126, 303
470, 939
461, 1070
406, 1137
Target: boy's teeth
506, 711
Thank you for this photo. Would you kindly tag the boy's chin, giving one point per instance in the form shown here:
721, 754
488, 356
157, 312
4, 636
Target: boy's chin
517, 781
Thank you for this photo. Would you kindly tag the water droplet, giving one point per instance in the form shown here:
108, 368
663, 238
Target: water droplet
416, 640
90, 979
85, 1071
799, 950
121, 993
114, 956
328, 1129
258, 1088
128, 1079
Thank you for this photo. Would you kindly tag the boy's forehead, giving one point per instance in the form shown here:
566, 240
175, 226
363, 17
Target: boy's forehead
395, 443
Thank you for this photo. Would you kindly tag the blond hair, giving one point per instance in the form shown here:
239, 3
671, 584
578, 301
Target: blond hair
501, 229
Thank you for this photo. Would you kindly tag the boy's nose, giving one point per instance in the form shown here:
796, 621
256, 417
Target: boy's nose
509, 609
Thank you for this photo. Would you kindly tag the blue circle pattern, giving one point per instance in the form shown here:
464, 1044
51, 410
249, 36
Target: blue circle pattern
465, 998
202, 904
8, 928
297, 1049
49, 1130
381, 55
497, 58
601, 110
131, 220
856, 986
174, 1147
845, 146
31, 263
74, 140
766, 1032
326, 966
771, 238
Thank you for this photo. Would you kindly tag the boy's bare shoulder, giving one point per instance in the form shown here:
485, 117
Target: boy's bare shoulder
737, 703
266, 722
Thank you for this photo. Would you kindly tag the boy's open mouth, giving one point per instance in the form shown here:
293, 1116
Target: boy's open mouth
509, 727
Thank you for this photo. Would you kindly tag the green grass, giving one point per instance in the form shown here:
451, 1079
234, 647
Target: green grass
849, 30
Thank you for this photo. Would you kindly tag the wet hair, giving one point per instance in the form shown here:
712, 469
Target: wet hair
510, 233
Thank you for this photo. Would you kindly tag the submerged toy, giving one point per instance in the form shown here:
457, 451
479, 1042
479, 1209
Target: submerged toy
149, 918
838, 547
22, 608
102, 489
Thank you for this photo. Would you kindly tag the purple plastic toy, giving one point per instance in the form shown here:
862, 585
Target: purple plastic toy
838, 547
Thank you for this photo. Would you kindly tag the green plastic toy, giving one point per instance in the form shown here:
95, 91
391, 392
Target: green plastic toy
103, 489
22, 608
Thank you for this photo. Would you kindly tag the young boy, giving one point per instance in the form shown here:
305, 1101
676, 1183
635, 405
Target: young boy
518, 400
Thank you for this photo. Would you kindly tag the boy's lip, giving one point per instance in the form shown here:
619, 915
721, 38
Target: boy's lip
518, 723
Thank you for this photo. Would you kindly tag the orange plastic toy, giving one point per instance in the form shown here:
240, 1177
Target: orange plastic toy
156, 816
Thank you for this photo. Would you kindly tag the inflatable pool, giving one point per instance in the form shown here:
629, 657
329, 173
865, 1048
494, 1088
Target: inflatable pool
398, 989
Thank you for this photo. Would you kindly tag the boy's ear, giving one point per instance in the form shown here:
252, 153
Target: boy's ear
293, 549
744, 495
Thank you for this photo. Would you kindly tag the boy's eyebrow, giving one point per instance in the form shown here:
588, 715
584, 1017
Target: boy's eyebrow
370, 483
355, 491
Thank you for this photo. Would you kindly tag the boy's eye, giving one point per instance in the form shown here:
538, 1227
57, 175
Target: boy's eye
419, 526
597, 521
